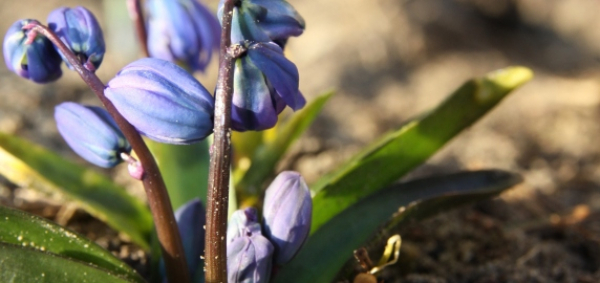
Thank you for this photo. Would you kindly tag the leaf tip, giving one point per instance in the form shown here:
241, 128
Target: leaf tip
511, 77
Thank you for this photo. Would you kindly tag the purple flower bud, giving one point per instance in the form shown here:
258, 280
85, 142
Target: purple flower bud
242, 221
264, 83
80, 31
182, 31
264, 20
162, 101
287, 212
92, 133
249, 254
30, 56
191, 218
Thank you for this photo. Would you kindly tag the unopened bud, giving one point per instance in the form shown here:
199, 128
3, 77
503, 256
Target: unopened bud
31, 56
287, 214
162, 101
242, 221
79, 30
182, 31
92, 133
249, 254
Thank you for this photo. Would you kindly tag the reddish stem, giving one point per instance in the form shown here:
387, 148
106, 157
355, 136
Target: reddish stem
137, 16
220, 161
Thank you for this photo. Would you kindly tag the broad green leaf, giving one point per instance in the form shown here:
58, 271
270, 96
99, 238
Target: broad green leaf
401, 151
30, 231
19, 264
326, 251
184, 169
266, 156
30, 165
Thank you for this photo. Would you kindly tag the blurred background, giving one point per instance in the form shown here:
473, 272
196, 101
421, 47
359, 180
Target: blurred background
389, 60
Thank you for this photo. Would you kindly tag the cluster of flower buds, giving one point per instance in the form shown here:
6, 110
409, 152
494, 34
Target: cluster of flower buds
33, 56
252, 251
162, 101
265, 82
90, 131
254, 248
184, 32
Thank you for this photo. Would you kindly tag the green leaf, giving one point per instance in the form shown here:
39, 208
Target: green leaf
30, 165
401, 151
184, 169
266, 156
246, 143
326, 251
26, 230
29, 265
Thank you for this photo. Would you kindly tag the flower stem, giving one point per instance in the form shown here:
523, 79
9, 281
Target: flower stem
220, 160
158, 198
137, 16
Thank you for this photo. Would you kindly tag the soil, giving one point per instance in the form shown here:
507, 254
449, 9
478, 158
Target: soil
389, 60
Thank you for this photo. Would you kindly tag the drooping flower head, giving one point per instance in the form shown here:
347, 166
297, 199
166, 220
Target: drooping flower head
79, 30
264, 21
31, 58
287, 214
92, 133
264, 83
182, 31
162, 101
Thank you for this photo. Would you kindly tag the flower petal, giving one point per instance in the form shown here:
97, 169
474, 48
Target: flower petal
253, 107
279, 71
280, 20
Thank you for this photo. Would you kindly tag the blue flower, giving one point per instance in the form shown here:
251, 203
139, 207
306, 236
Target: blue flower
249, 254
92, 133
264, 83
162, 101
264, 20
287, 214
182, 31
80, 31
30, 58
